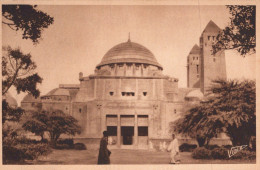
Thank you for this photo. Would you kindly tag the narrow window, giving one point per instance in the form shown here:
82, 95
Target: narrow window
144, 93
111, 93
213, 37
123, 93
208, 37
133, 94
197, 69
175, 111
79, 110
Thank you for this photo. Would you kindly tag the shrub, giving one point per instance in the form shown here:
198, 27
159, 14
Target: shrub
185, 147
227, 146
15, 152
253, 143
219, 153
211, 147
244, 154
201, 153
64, 144
80, 146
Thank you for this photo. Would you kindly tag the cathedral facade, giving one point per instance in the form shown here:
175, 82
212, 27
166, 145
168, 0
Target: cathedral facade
129, 96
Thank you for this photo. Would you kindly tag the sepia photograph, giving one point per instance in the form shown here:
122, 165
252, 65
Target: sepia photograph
128, 84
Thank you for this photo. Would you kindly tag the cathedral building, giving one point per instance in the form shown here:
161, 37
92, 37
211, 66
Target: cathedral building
129, 96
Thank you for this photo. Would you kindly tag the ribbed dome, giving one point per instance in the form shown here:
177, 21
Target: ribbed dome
30, 98
10, 100
129, 52
195, 94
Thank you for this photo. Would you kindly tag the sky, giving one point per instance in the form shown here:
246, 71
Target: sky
81, 35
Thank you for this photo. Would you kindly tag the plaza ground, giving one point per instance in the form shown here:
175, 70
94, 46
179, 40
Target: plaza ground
87, 157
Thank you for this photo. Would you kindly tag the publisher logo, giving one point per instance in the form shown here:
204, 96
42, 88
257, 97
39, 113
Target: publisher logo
235, 150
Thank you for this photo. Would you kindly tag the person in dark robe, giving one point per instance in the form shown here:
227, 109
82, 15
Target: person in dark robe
104, 153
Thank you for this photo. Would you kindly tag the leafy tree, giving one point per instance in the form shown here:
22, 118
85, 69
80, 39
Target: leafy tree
18, 70
55, 123
240, 33
35, 125
236, 108
229, 107
9, 113
26, 18
188, 125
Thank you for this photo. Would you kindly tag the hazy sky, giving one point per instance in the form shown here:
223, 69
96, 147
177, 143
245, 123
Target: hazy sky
81, 35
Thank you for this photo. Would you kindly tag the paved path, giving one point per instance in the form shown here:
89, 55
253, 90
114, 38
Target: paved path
75, 157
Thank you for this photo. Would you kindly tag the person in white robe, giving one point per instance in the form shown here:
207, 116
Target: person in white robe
174, 149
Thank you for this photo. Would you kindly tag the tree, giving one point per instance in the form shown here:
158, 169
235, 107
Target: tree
18, 70
35, 125
9, 113
240, 33
236, 103
229, 107
26, 18
55, 123
193, 124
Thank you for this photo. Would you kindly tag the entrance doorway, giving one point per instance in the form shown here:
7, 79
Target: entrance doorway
127, 133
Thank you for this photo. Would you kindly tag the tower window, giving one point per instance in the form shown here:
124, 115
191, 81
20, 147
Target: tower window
111, 93
80, 110
123, 93
213, 37
144, 93
197, 69
208, 37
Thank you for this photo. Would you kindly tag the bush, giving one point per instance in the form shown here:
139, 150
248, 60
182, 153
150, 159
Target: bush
80, 146
201, 153
211, 147
227, 146
185, 147
219, 153
15, 152
253, 143
244, 154
69, 142
63, 146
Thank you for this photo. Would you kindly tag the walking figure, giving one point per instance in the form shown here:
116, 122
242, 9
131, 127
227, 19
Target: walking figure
104, 153
174, 149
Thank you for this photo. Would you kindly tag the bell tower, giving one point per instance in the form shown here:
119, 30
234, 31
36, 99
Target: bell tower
193, 68
212, 66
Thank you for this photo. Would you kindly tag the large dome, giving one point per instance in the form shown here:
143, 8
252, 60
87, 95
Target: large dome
129, 52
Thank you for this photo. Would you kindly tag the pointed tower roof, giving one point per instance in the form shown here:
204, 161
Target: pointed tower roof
195, 49
211, 27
